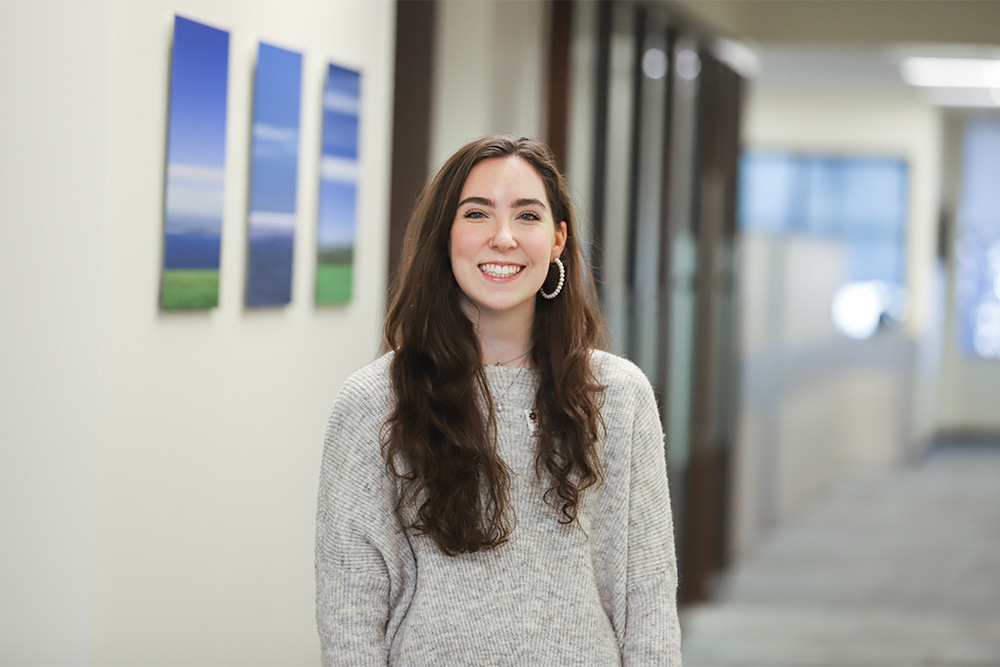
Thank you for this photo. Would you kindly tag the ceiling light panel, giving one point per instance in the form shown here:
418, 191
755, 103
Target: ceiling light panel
951, 72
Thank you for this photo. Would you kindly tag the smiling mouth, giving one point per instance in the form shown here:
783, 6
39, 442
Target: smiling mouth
501, 270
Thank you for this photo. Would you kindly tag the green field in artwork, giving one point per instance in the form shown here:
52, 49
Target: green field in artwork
189, 289
333, 283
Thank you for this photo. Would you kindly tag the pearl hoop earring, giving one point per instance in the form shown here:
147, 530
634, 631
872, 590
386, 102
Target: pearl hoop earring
562, 279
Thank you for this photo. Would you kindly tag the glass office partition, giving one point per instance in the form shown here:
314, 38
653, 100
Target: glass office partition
648, 193
653, 198
617, 172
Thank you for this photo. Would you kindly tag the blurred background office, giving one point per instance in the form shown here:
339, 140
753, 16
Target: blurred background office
793, 214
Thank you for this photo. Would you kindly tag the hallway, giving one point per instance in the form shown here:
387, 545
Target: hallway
894, 568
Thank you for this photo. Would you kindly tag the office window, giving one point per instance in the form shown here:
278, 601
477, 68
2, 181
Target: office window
977, 251
860, 201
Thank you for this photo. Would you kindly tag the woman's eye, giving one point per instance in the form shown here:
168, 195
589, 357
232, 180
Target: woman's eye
474, 215
529, 215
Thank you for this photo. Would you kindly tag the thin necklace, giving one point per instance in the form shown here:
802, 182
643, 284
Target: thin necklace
510, 361
499, 398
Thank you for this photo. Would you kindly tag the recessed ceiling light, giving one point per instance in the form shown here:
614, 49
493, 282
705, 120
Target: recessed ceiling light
654, 63
688, 64
951, 72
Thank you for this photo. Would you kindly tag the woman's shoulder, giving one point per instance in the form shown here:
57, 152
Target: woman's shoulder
366, 387
627, 391
617, 372
358, 414
373, 373
628, 401
352, 441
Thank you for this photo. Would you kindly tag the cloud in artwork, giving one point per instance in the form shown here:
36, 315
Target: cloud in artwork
338, 169
271, 222
272, 140
194, 196
345, 103
196, 174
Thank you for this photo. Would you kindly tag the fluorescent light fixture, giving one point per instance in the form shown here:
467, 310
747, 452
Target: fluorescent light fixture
962, 97
951, 72
737, 55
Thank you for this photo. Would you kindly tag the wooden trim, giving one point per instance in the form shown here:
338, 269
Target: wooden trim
634, 165
602, 88
705, 233
411, 118
560, 38
702, 512
668, 232
702, 483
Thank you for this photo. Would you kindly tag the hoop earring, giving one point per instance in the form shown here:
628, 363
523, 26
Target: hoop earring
562, 279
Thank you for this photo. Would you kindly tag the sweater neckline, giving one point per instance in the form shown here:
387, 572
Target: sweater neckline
508, 382
508, 371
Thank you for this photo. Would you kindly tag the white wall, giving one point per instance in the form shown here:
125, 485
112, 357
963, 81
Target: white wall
489, 72
814, 402
53, 152
159, 470
870, 122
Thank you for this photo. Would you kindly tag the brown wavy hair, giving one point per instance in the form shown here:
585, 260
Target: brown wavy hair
440, 440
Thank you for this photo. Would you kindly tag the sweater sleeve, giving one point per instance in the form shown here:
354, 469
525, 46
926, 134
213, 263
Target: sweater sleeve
652, 632
360, 547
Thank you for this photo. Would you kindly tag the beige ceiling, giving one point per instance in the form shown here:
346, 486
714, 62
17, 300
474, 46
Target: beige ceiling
864, 23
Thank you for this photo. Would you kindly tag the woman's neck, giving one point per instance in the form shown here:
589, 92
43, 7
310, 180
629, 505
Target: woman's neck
504, 341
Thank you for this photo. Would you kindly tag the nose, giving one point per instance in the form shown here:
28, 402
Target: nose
503, 237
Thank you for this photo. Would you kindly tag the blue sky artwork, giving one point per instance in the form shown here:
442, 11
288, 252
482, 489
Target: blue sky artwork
196, 152
339, 159
273, 176
338, 186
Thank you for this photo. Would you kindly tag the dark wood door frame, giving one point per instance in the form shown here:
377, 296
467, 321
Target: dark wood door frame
411, 117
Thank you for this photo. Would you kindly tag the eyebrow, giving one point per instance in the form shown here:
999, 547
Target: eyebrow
483, 201
528, 202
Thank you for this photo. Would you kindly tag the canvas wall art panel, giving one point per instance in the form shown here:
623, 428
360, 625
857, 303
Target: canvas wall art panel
274, 160
338, 191
196, 154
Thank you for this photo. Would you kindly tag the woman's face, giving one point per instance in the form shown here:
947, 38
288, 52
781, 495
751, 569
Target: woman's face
503, 239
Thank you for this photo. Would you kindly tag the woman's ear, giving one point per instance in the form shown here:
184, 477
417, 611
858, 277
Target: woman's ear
560, 241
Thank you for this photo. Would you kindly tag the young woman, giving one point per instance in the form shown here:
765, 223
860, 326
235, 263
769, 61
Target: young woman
493, 489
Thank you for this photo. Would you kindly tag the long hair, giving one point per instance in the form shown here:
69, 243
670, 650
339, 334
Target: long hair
440, 439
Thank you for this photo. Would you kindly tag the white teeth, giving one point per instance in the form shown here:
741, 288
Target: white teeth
499, 270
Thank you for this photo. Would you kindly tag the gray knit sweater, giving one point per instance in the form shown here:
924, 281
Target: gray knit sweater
597, 592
